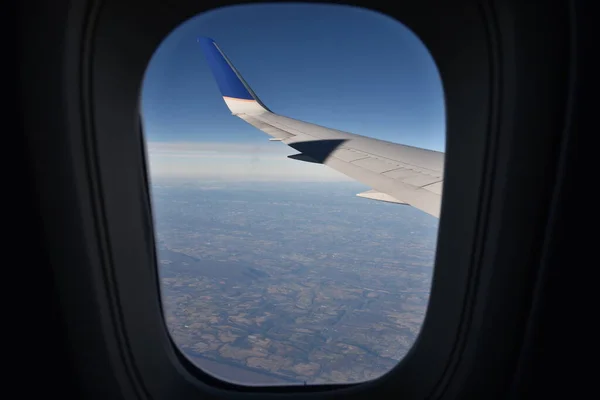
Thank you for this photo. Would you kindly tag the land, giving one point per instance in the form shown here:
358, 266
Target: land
291, 283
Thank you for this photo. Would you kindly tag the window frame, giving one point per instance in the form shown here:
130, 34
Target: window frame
108, 268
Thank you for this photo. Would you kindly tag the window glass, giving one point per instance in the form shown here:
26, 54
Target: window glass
273, 271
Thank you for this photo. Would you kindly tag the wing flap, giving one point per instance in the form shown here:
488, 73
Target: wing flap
350, 155
419, 197
375, 195
375, 164
436, 187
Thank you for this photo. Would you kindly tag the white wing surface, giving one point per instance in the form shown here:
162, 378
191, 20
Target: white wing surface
397, 173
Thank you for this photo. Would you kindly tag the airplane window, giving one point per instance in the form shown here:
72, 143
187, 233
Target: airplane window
273, 270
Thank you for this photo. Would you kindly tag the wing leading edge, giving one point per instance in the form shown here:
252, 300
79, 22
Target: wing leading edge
397, 173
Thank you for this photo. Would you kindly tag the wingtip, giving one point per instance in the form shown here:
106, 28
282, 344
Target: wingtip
231, 84
205, 39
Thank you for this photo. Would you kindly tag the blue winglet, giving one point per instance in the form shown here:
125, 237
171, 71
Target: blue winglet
230, 83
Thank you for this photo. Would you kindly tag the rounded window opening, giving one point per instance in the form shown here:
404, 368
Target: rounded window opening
290, 250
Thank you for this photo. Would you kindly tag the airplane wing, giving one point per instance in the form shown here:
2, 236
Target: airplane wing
396, 173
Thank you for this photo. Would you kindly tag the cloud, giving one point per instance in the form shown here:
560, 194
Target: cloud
233, 161
207, 149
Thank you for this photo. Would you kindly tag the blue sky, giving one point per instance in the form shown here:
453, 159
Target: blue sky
336, 66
